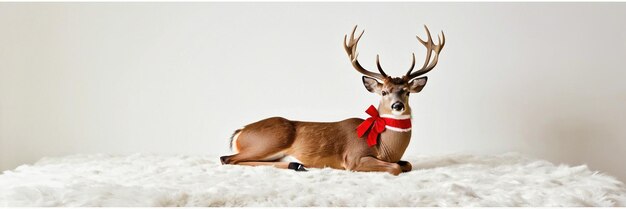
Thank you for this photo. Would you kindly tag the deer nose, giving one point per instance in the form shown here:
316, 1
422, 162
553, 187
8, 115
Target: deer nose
398, 106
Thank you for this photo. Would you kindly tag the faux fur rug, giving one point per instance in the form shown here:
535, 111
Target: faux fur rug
186, 180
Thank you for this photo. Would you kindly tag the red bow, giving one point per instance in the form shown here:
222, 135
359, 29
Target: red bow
376, 125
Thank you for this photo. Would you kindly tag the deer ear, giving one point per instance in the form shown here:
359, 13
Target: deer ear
416, 85
371, 84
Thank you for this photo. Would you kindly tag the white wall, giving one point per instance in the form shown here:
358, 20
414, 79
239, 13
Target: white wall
545, 79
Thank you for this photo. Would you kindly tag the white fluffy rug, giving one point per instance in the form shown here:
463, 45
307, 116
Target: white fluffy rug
186, 180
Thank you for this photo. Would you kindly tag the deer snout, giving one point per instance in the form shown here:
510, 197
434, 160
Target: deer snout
397, 106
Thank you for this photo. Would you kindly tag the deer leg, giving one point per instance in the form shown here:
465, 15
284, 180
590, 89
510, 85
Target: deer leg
251, 159
372, 164
246, 157
405, 166
284, 165
260, 155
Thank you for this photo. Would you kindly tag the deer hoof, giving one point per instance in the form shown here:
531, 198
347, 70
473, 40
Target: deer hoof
225, 159
405, 166
296, 166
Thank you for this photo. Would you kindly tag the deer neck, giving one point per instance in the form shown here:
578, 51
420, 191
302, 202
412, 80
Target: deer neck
393, 142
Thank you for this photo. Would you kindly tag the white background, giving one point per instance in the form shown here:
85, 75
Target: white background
544, 79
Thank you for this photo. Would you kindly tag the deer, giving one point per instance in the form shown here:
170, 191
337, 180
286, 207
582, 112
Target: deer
376, 144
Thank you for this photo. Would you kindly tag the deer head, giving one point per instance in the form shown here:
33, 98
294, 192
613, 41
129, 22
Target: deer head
395, 90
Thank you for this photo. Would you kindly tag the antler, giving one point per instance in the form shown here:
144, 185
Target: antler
352, 53
430, 47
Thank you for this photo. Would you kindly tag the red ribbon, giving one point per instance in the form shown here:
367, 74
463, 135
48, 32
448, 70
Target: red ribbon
376, 125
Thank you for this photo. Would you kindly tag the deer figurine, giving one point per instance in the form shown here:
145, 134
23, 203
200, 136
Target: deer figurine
298, 145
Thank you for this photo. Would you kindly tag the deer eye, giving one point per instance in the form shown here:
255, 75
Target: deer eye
384, 93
